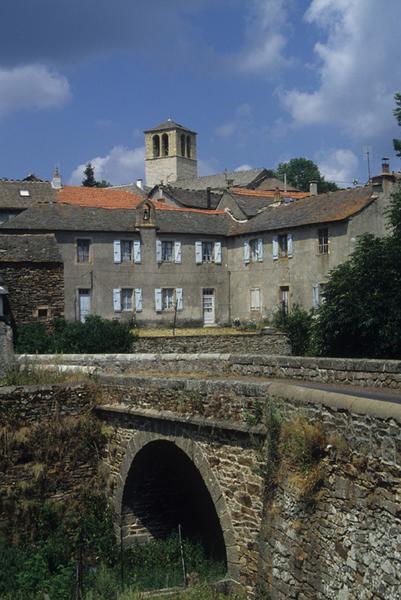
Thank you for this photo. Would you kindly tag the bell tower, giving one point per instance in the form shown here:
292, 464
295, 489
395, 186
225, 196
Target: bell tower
170, 153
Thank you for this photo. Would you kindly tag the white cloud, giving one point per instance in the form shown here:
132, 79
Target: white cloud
239, 126
356, 65
31, 87
244, 167
264, 37
121, 166
339, 165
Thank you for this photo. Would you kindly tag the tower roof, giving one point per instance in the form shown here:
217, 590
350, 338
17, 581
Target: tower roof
167, 125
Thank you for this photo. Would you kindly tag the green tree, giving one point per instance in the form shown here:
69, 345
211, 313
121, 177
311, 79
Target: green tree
301, 171
397, 114
361, 315
89, 173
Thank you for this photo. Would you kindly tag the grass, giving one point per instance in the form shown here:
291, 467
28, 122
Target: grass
17, 376
194, 331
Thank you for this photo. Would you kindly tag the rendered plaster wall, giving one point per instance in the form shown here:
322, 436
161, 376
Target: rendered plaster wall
101, 275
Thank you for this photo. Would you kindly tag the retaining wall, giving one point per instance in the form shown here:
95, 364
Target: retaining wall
359, 372
252, 343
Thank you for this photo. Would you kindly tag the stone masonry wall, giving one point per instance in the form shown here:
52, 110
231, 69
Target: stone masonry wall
31, 286
262, 343
345, 541
359, 372
6, 348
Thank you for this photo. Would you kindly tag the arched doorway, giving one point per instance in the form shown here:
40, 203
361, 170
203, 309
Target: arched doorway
164, 489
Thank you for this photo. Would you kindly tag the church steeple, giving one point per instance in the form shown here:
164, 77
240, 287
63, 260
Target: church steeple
170, 153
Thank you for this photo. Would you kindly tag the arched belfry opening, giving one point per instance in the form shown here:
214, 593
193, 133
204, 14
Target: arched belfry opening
156, 146
163, 489
165, 144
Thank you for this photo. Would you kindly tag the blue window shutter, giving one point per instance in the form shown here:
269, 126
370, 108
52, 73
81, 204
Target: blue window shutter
117, 300
117, 251
158, 251
158, 299
275, 247
137, 251
179, 296
290, 245
177, 251
217, 253
260, 249
198, 253
247, 252
138, 299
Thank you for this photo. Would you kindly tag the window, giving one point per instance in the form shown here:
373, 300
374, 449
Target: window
83, 247
156, 146
284, 298
126, 250
167, 251
207, 251
323, 236
318, 294
255, 299
282, 245
167, 298
256, 250
165, 144
126, 299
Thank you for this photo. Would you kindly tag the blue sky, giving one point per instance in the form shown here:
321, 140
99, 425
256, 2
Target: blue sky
261, 81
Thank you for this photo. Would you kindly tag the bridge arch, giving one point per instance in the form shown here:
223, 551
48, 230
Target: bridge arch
142, 442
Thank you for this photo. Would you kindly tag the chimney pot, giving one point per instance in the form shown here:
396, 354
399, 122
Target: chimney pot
56, 182
139, 183
385, 165
313, 188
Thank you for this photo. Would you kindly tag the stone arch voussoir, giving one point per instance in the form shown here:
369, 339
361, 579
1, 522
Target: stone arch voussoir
139, 440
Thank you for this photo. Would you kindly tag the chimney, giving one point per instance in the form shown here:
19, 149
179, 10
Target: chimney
56, 180
385, 165
230, 183
277, 195
208, 198
139, 183
313, 188
160, 193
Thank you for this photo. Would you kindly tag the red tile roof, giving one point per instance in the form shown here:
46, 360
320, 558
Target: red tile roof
98, 197
267, 193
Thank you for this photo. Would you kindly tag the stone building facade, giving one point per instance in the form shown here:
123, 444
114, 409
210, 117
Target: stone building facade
199, 250
32, 269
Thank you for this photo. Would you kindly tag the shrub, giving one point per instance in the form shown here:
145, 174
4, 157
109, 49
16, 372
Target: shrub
297, 324
95, 336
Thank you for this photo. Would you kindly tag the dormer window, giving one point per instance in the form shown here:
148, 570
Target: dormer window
24, 193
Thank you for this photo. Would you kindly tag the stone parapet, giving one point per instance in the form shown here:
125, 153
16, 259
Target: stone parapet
357, 372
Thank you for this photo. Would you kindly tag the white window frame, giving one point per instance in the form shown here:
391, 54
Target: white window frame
256, 306
323, 247
168, 298
78, 247
124, 246
167, 244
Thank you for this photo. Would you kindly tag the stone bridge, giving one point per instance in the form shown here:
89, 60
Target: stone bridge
190, 447
173, 460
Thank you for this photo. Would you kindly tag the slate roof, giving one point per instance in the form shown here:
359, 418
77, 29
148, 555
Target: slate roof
78, 218
271, 183
324, 208
29, 248
40, 192
167, 125
219, 181
98, 197
253, 201
193, 198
